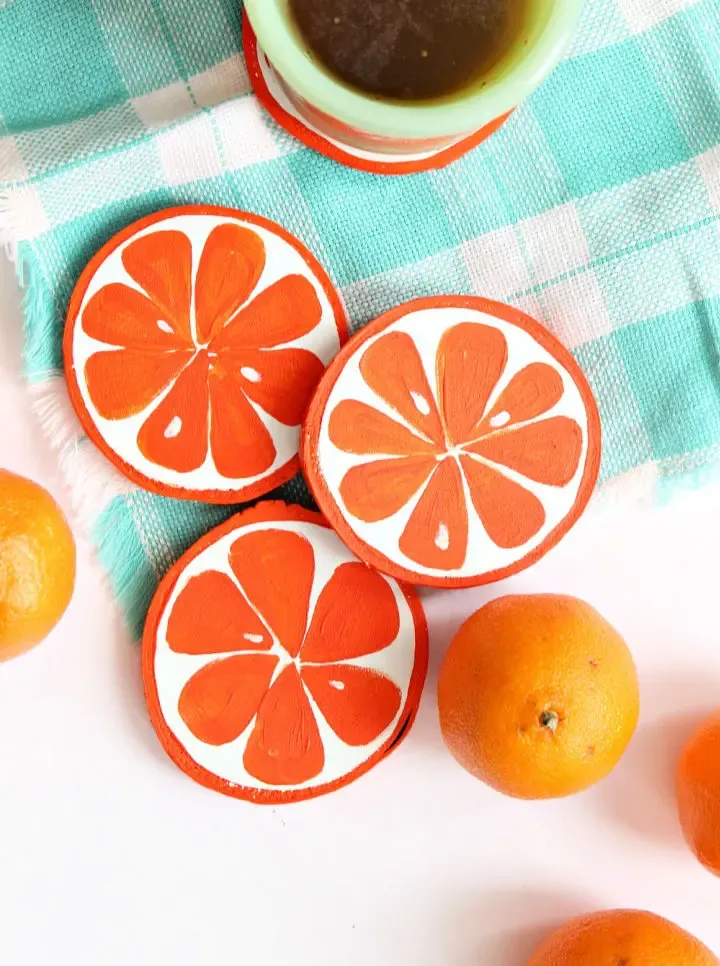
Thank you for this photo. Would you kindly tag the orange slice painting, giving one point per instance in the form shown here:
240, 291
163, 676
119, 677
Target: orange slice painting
277, 666
193, 343
452, 442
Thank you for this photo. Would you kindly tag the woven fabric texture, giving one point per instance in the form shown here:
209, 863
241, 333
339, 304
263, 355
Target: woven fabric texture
595, 208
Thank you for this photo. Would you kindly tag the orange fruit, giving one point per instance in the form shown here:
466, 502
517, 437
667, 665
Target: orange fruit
452, 442
538, 696
193, 342
277, 667
698, 793
37, 564
621, 937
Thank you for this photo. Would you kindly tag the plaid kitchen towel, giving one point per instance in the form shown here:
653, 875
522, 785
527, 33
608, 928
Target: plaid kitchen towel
595, 208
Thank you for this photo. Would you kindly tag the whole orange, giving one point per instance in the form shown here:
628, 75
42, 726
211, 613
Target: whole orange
622, 937
698, 793
538, 696
37, 564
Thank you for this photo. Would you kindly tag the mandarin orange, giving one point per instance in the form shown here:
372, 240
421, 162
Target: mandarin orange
698, 793
621, 937
538, 696
37, 564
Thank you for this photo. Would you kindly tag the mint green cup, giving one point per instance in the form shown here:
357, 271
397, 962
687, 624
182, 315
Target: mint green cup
349, 115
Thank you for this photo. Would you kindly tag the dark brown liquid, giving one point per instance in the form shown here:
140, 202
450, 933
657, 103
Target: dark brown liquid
408, 49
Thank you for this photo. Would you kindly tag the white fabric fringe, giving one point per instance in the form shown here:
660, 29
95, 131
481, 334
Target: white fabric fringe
92, 481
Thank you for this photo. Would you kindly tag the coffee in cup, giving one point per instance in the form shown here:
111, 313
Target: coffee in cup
409, 50
405, 77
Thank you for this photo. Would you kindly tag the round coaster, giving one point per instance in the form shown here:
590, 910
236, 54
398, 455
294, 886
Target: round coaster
277, 667
274, 99
452, 442
193, 342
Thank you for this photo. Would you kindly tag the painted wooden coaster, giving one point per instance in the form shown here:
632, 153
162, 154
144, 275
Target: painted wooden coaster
193, 342
273, 96
277, 667
452, 442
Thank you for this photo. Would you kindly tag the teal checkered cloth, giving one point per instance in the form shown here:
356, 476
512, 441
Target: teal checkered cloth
595, 208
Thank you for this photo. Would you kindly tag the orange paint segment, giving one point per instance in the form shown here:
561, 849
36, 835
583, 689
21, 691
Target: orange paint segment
285, 747
231, 264
193, 343
240, 440
279, 382
356, 702
161, 264
277, 667
107, 375
122, 316
219, 702
510, 514
284, 312
393, 369
175, 434
342, 627
547, 451
532, 392
358, 428
211, 616
379, 489
276, 569
471, 358
452, 442
436, 534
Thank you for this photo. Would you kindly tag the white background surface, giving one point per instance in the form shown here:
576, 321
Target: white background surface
109, 856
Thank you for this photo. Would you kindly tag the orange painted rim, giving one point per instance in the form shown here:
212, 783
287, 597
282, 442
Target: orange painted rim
269, 512
218, 496
323, 146
326, 501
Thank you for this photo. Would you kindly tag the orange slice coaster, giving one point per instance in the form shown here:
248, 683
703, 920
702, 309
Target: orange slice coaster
194, 340
452, 442
277, 667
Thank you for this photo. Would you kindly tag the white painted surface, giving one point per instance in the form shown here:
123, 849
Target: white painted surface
109, 855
